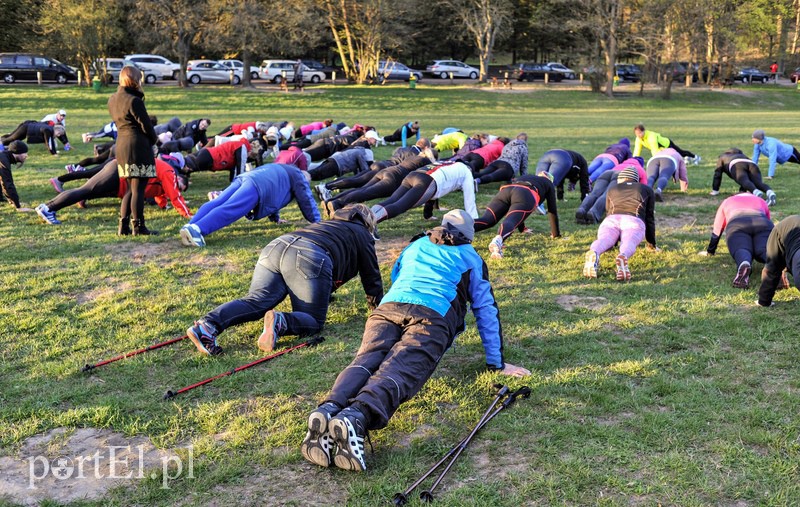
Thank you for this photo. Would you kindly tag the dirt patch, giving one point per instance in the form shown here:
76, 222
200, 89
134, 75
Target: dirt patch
421, 431
66, 466
110, 286
388, 250
141, 253
679, 222
684, 201
570, 303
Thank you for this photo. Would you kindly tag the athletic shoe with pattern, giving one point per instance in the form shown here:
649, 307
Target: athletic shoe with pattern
318, 444
623, 273
742, 278
496, 248
591, 264
274, 326
57, 185
348, 431
213, 195
45, 214
771, 198
204, 339
191, 236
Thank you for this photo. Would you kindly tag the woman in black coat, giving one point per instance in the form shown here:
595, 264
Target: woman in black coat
135, 140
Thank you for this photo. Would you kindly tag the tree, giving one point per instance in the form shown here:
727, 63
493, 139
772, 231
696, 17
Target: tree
484, 19
89, 33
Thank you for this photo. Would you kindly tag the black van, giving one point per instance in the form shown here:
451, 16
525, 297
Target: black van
24, 66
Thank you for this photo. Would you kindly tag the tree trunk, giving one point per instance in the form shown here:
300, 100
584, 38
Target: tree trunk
796, 6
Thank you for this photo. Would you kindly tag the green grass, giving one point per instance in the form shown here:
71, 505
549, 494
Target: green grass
674, 389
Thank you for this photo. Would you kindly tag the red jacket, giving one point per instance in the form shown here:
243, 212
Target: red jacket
222, 155
491, 151
293, 156
163, 188
238, 128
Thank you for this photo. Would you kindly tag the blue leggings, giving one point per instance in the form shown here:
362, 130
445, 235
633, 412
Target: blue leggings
598, 166
233, 203
747, 238
659, 171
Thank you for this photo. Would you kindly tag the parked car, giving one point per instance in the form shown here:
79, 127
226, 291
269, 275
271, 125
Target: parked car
628, 72
795, 75
112, 66
568, 73
156, 63
443, 69
396, 70
534, 71
321, 67
750, 74
239, 65
275, 70
210, 71
14, 66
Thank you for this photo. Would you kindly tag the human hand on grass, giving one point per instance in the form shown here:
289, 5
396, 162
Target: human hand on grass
515, 371
703, 253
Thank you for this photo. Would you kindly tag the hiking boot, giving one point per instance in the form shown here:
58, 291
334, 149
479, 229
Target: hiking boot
496, 247
742, 278
274, 326
140, 229
591, 264
124, 228
348, 431
784, 282
48, 216
204, 338
623, 273
771, 198
191, 236
659, 197
213, 195
57, 185
317, 445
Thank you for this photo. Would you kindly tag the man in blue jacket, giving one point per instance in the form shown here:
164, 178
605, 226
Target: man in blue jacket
260, 193
776, 151
404, 339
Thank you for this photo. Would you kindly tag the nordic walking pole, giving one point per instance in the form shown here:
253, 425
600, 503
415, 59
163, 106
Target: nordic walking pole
309, 343
90, 367
402, 498
427, 495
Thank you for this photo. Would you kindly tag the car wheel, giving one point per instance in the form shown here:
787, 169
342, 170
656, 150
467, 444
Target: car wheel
61, 78
195, 79
9, 77
278, 79
236, 80
529, 78
149, 79
473, 75
254, 75
570, 76
315, 79
764, 80
443, 75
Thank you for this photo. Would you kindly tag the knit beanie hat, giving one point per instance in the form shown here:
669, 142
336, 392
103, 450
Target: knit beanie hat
628, 173
461, 221
17, 147
625, 141
758, 134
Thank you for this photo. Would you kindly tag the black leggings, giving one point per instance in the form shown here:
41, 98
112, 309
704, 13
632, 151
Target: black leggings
105, 183
359, 180
133, 200
795, 156
396, 136
499, 170
748, 176
747, 238
684, 153
325, 170
18, 134
320, 151
512, 202
416, 189
380, 185
474, 161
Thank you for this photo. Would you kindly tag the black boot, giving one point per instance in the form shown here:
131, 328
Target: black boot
124, 226
139, 229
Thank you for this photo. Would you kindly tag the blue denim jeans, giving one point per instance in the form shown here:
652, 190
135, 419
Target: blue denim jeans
291, 266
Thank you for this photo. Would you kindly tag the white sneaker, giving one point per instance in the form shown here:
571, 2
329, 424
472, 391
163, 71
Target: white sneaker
771, 198
591, 264
213, 195
696, 160
496, 247
541, 210
86, 138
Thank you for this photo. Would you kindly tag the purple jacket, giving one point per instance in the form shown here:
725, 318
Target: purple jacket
621, 150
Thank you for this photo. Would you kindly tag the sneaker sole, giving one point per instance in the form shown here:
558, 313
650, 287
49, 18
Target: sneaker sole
197, 342
316, 447
742, 279
590, 265
623, 273
187, 240
266, 341
344, 458
495, 252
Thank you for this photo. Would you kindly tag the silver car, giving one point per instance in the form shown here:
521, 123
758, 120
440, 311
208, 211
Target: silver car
568, 73
443, 69
210, 71
239, 65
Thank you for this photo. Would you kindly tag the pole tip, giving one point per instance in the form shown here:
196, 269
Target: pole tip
399, 499
87, 367
426, 496
168, 395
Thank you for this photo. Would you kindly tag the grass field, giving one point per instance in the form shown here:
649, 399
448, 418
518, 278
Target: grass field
673, 389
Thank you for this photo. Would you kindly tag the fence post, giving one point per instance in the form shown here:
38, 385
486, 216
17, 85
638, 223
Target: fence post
333, 77
451, 78
39, 77
546, 77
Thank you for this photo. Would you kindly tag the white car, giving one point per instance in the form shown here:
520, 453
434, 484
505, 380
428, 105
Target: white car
112, 66
277, 70
210, 71
568, 73
443, 69
239, 65
159, 64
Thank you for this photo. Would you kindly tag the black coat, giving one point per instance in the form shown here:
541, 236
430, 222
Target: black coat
7, 187
135, 134
192, 129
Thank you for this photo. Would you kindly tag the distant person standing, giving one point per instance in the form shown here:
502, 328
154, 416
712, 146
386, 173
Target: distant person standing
776, 151
298, 75
773, 72
135, 139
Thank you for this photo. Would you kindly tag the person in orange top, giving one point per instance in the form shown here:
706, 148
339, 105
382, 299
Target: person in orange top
165, 187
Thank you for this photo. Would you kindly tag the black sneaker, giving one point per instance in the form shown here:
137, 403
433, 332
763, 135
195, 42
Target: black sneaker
204, 338
348, 432
318, 443
580, 217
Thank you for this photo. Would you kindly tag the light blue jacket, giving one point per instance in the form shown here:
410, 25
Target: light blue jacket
776, 151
